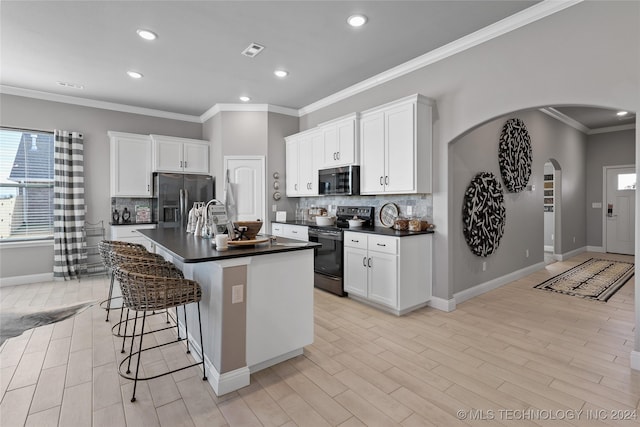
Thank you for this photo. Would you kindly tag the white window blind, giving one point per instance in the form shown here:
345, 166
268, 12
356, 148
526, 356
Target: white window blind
26, 185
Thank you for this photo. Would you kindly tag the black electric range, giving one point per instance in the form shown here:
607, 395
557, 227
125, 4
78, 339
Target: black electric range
329, 258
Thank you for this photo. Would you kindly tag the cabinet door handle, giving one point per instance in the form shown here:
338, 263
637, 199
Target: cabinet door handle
294, 231
334, 156
386, 180
364, 261
381, 244
338, 154
295, 187
381, 178
185, 164
369, 263
181, 164
147, 187
355, 241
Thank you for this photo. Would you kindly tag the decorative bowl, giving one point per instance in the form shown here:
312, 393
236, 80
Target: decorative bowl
247, 229
353, 223
325, 220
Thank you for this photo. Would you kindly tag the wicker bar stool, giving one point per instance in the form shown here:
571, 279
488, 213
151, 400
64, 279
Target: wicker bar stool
148, 292
140, 263
105, 247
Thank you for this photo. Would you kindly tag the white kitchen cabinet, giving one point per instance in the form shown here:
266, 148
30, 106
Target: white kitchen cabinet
339, 142
172, 154
396, 147
129, 233
130, 164
290, 231
303, 154
393, 273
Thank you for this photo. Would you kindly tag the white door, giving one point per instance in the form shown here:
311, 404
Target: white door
383, 279
355, 271
246, 174
620, 210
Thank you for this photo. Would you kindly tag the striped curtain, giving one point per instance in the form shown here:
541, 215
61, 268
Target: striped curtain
69, 246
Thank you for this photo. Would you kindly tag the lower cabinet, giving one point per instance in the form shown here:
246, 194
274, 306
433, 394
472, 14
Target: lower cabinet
391, 272
290, 231
129, 233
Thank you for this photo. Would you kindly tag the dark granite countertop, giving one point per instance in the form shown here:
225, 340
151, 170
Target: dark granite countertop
188, 248
371, 230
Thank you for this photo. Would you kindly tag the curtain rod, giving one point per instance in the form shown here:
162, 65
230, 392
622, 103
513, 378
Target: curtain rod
28, 130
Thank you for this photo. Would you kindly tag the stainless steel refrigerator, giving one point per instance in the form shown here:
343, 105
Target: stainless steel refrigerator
174, 195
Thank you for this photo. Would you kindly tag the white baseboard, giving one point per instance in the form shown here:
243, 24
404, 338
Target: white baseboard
599, 249
442, 304
26, 280
268, 363
228, 381
480, 289
635, 360
571, 254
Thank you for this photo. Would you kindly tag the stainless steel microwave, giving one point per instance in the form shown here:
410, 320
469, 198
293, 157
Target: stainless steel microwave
343, 181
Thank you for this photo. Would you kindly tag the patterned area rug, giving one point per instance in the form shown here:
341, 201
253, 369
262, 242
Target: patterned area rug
13, 322
595, 279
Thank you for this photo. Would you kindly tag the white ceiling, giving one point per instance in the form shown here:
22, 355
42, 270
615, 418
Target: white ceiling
196, 62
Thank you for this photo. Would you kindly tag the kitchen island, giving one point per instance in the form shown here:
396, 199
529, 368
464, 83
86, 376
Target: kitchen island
257, 302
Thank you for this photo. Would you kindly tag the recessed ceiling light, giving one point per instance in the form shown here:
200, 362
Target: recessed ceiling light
71, 85
622, 113
134, 74
147, 34
281, 73
357, 20
245, 99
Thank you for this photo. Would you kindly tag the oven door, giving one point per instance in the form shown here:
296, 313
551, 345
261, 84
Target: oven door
328, 260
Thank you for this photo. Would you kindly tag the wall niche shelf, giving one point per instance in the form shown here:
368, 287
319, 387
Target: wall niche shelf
549, 193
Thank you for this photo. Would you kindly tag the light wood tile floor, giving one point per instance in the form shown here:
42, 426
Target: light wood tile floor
515, 356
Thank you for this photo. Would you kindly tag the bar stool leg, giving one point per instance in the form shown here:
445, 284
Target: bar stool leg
186, 327
135, 381
110, 273
204, 373
133, 335
124, 335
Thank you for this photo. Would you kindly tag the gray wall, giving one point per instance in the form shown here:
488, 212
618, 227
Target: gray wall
236, 133
477, 151
604, 149
29, 113
548, 62
280, 125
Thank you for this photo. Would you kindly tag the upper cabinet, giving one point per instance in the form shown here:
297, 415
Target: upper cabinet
395, 147
130, 156
172, 154
303, 152
339, 142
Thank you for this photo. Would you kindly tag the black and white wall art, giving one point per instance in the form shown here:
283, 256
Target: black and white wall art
514, 155
483, 214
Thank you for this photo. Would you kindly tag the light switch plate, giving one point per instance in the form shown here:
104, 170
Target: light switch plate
237, 294
596, 205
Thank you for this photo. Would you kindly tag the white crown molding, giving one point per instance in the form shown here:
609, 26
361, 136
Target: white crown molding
552, 112
247, 107
29, 93
612, 129
506, 25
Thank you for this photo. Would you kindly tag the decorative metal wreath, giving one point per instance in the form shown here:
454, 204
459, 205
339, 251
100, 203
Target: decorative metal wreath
514, 155
483, 214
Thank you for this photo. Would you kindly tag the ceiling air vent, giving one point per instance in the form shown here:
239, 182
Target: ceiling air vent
253, 50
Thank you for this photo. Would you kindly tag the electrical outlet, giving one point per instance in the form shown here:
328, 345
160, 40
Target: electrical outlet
409, 210
484, 265
237, 294
274, 207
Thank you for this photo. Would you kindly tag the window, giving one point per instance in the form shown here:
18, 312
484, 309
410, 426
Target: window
26, 185
627, 181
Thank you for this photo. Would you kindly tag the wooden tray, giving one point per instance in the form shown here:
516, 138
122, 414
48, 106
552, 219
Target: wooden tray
247, 242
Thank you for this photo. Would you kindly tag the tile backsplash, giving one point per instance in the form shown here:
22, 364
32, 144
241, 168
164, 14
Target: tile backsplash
131, 204
420, 205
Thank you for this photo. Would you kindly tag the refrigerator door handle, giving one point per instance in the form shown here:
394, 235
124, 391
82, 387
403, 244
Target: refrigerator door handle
181, 206
185, 209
